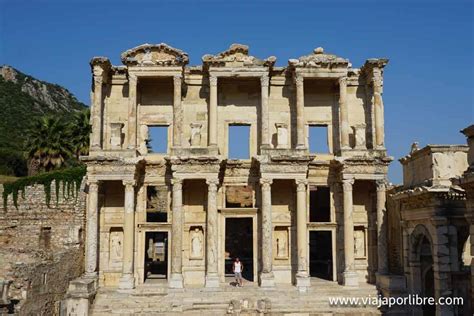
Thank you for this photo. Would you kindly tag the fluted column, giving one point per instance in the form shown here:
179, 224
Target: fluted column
92, 228
96, 111
132, 112
350, 276
266, 275
176, 279
212, 279
382, 255
127, 281
300, 143
213, 111
344, 112
265, 112
302, 276
378, 109
177, 112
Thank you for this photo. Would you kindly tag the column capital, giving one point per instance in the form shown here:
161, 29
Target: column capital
299, 80
342, 81
347, 184
132, 79
266, 182
129, 182
213, 80
177, 182
301, 184
93, 185
177, 80
211, 182
264, 81
98, 80
381, 185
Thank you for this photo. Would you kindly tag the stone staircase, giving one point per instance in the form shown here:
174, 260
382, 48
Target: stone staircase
248, 300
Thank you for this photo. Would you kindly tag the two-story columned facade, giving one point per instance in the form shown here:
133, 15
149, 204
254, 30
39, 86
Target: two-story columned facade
170, 202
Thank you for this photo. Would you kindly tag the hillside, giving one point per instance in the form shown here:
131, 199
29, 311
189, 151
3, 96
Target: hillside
24, 99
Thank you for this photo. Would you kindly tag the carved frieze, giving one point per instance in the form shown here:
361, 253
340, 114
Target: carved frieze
237, 56
154, 55
319, 59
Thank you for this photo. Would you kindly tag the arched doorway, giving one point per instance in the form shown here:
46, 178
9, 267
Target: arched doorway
422, 266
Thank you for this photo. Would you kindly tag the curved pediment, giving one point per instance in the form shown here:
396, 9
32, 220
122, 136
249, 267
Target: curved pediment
237, 56
154, 55
319, 59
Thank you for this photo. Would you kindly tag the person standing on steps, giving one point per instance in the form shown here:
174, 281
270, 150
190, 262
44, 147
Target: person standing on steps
237, 268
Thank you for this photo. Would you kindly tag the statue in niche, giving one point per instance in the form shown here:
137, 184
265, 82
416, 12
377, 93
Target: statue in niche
151, 250
359, 243
282, 135
147, 58
196, 243
281, 247
116, 135
195, 140
359, 136
144, 139
115, 251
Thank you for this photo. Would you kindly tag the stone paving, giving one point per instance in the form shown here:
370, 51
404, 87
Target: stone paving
229, 300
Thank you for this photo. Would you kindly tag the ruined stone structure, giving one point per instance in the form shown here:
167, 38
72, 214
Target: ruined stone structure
168, 217
428, 231
41, 250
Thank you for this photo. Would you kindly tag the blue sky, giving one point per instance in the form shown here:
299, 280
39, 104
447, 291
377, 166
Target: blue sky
428, 91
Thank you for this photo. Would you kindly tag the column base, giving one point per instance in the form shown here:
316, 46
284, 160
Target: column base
212, 281
350, 278
176, 281
267, 279
303, 281
80, 295
127, 282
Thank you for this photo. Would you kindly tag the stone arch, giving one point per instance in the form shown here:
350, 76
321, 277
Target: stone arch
422, 264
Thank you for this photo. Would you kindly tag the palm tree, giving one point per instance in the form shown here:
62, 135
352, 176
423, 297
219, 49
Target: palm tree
48, 143
79, 131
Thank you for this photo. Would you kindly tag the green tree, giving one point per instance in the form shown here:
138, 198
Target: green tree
48, 144
79, 131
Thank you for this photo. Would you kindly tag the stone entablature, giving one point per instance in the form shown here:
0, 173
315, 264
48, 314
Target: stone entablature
434, 165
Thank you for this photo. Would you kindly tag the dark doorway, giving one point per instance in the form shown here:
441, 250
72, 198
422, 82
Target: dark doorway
156, 256
427, 275
239, 243
320, 255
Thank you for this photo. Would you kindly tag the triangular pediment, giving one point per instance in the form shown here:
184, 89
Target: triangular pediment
237, 56
154, 55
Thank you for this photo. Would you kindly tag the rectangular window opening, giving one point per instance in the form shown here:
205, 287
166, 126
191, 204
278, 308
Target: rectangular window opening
319, 205
239, 140
157, 204
157, 142
318, 139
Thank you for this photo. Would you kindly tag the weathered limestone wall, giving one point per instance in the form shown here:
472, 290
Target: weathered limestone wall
41, 248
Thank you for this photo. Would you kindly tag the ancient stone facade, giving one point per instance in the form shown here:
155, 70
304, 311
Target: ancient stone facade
41, 250
428, 232
169, 218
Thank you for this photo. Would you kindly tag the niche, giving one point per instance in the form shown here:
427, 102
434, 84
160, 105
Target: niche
115, 246
196, 241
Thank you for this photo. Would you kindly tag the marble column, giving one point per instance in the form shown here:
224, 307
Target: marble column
302, 276
300, 143
96, 112
350, 276
266, 275
264, 80
132, 112
344, 113
176, 279
177, 112
212, 279
378, 109
213, 111
92, 228
127, 281
382, 254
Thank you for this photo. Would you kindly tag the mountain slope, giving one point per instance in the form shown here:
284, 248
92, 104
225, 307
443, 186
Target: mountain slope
24, 99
